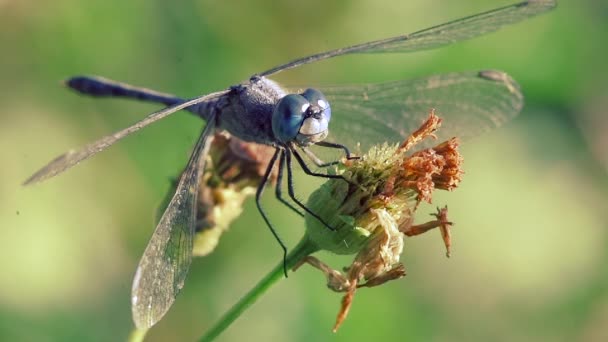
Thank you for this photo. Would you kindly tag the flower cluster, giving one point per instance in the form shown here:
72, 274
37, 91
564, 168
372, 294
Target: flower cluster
373, 208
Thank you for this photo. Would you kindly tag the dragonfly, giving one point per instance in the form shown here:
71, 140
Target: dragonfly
261, 111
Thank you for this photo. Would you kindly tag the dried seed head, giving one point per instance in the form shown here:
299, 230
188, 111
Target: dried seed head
386, 178
373, 209
233, 170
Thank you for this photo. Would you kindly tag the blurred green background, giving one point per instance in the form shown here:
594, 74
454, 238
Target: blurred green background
529, 246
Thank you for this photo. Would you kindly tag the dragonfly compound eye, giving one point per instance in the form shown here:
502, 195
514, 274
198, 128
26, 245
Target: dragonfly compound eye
288, 116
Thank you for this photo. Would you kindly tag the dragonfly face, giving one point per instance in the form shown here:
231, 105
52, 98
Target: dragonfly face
261, 111
303, 118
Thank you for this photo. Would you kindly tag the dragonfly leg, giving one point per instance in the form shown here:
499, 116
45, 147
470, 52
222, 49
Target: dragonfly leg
258, 196
349, 156
307, 169
291, 191
316, 174
321, 163
313, 157
278, 191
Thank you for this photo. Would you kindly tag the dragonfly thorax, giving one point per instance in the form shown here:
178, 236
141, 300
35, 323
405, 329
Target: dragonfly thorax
263, 112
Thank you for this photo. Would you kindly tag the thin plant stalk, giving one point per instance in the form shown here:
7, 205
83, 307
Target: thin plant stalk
304, 248
137, 335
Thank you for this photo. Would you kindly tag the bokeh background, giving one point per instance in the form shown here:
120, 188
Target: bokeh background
530, 241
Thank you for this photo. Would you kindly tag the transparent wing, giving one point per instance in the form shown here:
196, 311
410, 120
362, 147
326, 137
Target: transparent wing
469, 103
73, 157
437, 36
164, 265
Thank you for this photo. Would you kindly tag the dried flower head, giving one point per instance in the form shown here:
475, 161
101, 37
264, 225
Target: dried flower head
233, 171
374, 209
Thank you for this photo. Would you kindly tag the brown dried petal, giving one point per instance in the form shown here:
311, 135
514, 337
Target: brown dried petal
426, 130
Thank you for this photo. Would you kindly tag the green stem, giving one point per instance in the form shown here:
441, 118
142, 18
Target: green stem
137, 335
305, 247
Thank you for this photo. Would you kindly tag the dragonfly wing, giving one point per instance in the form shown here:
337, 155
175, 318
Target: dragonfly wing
72, 158
469, 103
164, 265
434, 37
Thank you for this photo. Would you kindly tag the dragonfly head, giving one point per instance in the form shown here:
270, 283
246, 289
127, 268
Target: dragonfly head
302, 118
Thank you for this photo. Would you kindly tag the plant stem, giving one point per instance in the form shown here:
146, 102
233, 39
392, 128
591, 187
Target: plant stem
137, 335
304, 247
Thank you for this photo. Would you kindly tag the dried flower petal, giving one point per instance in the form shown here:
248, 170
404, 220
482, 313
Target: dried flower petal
442, 223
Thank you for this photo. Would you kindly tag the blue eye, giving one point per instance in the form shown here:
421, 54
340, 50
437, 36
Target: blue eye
316, 98
288, 116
